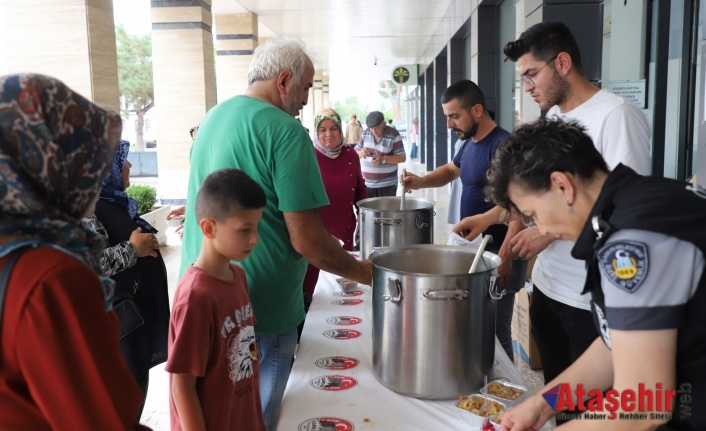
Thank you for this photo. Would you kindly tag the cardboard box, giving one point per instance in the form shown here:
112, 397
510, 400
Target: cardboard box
522, 341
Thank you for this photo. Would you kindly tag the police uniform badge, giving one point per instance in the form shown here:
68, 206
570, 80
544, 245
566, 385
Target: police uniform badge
624, 263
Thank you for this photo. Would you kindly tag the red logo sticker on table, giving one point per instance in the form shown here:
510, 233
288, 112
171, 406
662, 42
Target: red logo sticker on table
326, 424
349, 294
344, 320
337, 363
342, 334
347, 302
333, 383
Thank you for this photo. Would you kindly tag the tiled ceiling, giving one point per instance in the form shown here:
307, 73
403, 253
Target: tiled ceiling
348, 37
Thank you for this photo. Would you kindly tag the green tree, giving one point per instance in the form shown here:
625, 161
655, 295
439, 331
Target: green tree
388, 89
135, 76
349, 107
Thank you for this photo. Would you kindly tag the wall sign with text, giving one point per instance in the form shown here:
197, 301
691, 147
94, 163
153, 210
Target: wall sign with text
634, 91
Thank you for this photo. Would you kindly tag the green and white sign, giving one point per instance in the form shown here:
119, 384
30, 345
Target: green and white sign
405, 74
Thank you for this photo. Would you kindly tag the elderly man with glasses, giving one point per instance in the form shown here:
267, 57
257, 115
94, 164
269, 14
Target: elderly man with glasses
549, 63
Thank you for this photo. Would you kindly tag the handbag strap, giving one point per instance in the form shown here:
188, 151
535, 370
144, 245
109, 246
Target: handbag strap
7, 269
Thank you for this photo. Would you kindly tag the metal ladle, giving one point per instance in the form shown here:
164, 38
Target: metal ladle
404, 191
479, 253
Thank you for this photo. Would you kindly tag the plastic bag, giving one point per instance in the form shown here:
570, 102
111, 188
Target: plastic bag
456, 239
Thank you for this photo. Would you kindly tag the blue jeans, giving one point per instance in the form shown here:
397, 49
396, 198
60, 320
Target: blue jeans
276, 354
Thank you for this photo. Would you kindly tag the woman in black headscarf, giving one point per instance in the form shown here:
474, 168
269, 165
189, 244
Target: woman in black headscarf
60, 364
131, 258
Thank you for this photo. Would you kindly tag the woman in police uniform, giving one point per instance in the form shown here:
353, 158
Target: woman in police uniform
644, 242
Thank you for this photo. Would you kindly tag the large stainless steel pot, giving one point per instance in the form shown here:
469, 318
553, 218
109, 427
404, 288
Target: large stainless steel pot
434, 324
384, 224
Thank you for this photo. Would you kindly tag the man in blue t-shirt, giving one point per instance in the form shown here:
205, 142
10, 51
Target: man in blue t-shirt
466, 114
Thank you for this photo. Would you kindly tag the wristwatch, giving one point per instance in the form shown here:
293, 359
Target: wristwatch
383, 160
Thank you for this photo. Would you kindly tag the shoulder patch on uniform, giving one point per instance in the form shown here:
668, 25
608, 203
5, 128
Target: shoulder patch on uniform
624, 263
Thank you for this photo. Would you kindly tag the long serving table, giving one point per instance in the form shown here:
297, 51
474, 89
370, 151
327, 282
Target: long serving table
333, 387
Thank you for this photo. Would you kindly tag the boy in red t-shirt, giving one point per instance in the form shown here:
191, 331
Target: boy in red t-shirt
212, 351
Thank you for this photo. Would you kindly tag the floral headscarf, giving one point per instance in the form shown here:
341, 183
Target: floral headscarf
113, 188
327, 114
56, 148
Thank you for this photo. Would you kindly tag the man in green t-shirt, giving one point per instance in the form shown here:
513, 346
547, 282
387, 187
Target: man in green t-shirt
258, 134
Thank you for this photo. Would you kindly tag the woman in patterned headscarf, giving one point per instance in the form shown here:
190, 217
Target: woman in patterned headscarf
60, 365
340, 169
131, 258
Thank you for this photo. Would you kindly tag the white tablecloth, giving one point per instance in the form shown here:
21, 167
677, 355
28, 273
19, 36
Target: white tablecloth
353, 398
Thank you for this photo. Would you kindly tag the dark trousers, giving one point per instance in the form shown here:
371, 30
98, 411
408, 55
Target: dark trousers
144, 383
503, 322
506, 304
562, 333
382, 191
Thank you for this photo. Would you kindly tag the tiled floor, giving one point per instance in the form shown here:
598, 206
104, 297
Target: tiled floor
156, 412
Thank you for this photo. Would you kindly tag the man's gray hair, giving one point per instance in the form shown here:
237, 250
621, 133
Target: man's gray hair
277, 54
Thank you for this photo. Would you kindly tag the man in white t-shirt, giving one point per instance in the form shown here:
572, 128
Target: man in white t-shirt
549, 63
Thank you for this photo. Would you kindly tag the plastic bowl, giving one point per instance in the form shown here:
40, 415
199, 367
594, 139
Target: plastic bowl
175, 221
347, 285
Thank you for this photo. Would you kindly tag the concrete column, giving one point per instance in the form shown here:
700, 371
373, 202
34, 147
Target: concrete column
327, 103
306, 115
455, 60
442, 144
71, 40
184, 85
429, 154
627, 50
488, 70
472, 74
531, 14
422, 139
236, 39
455, 64
308, 112
505, 114
318, 90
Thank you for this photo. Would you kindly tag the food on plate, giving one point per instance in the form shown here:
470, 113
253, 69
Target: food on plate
506, 392
482, 406
347, 285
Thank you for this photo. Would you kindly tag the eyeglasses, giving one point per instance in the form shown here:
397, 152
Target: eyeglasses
527, 78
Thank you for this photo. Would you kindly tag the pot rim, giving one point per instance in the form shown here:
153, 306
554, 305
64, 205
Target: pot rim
361, 203
380, 251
